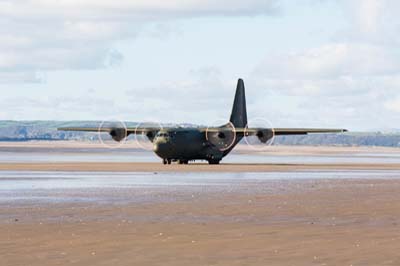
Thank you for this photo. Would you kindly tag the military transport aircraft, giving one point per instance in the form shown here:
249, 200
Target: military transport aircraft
182, 145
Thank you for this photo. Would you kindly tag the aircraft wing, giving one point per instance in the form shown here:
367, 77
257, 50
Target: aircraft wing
139, 130
117, 133
304, 131
276, 131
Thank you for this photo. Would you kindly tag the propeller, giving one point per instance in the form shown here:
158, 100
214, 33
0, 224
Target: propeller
144, 139
117, 133
222, 137
263, 137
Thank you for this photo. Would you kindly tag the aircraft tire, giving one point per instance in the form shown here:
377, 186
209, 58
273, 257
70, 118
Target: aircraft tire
213, 161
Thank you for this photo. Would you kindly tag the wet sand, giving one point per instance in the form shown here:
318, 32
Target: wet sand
307, 222
196, 167
230, 214
240, 148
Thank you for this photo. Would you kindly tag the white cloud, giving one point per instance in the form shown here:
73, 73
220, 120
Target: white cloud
139, 9
368, 14
332, 61
393, 104
352, 79
20, 76
58, 107
347, 77
204, 91
372, 21
41, 35
366, 47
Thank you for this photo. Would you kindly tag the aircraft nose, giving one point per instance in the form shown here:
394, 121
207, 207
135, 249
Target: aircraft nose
161, 148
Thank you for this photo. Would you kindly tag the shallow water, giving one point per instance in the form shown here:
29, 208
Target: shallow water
104, 155
27, 186
17, 180
31, 187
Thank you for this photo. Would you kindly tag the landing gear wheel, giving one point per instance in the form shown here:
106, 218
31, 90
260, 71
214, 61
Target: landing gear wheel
183, 161
166, 161
213, 161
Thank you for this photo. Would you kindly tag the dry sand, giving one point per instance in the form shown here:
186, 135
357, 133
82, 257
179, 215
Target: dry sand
320, 222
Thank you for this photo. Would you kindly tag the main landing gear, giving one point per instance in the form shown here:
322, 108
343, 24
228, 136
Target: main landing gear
167, 161
210, 161
213, 161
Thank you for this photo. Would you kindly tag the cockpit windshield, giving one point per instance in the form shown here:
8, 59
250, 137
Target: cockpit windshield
162, 134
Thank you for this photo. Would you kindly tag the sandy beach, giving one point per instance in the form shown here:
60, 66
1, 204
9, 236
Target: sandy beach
158, 167
145, 213
335, 222
130, 150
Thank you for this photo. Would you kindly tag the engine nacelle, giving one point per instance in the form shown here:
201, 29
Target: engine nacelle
223, 137
265, 135
118, 134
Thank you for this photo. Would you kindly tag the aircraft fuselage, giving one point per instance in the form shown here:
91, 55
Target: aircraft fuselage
186, 144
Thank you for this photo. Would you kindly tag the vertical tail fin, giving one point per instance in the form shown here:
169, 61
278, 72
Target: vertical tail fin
239, 113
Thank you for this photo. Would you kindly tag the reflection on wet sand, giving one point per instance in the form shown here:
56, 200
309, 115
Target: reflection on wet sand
72, 152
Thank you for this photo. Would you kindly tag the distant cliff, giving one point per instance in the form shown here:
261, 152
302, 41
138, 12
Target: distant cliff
47, 130
346, 139
42, 130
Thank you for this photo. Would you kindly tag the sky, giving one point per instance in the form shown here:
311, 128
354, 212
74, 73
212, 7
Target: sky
305, 63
